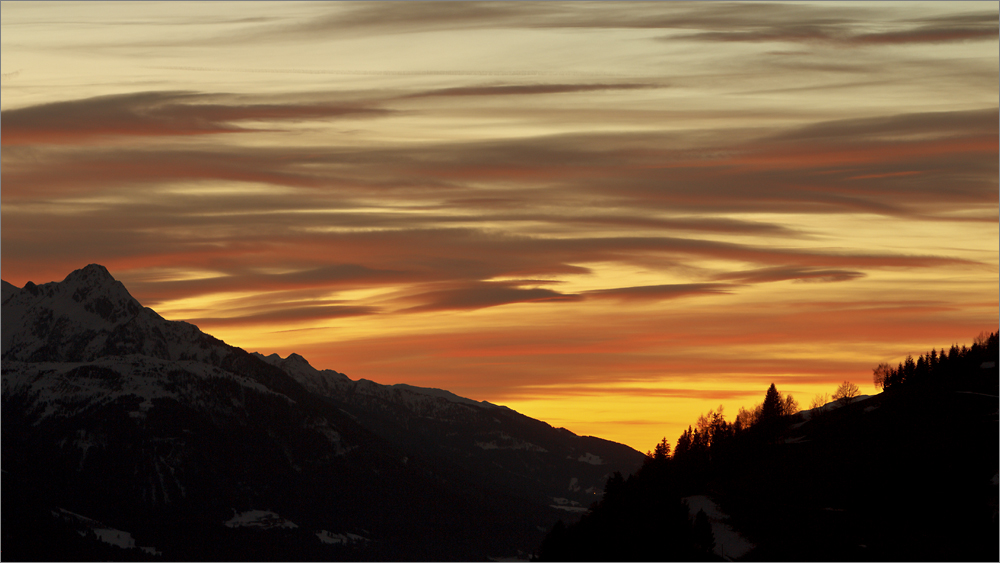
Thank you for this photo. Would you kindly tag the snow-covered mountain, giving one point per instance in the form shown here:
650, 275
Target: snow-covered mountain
172, 437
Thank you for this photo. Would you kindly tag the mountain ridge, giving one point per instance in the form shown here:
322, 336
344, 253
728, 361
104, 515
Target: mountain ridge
161, 431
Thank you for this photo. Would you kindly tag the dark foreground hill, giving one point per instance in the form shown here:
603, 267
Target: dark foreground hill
127, 436
909, 474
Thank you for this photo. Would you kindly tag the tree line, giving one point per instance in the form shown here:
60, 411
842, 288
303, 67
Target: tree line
935, 366
643, 517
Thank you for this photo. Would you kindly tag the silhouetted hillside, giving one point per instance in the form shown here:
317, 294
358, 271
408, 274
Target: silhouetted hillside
908, 474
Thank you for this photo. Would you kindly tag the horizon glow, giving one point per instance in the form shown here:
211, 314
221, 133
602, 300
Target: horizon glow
610, 217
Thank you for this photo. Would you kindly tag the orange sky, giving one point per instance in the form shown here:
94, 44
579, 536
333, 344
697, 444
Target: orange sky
612, 217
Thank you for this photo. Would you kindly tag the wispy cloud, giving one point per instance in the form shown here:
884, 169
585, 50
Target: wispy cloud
526, 89
660, 292
152, 114
781, 273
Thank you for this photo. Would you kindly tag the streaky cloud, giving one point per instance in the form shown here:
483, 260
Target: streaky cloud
526, 89
660, 292
763, 275
481, 295
155, 114
287, 314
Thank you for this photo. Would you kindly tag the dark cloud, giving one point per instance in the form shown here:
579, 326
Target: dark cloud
526, 89
482, 295
781, 273
660, 292
152, 114
312, 312
322, 278
845, 29
458, 214
718, 21
667, 392
428, 16
908, 165
943, 29
944, 124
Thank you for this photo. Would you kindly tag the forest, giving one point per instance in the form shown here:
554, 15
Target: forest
907, 474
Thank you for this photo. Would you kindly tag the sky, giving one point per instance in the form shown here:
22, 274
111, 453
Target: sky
612, 217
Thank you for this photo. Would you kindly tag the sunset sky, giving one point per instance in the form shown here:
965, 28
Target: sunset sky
609, 216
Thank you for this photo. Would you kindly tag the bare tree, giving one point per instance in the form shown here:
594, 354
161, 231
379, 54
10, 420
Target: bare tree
846, 393
882, 375
819, 400
790, 406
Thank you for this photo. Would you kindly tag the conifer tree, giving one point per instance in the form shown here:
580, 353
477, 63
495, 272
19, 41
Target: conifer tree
773, 405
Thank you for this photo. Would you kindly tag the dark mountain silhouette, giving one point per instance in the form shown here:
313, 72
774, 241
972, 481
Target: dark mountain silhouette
909, 474
127, 436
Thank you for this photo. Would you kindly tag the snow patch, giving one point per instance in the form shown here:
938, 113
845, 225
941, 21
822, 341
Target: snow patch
111, 536
326, 537
591, 459
507, 442
259, 519
577, 509
115, 537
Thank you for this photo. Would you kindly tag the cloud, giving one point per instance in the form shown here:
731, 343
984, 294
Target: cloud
536, 392
154, 114
526, 89
780, 273
439, 220
846, 28
951, 28
311, 312
905, 165
721, 21
660, 292
481, 295
296, 283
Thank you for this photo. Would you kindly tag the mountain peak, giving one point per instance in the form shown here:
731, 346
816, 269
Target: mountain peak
60, 319
91, 275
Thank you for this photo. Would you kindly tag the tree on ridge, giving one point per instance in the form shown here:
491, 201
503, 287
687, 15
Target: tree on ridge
846, 393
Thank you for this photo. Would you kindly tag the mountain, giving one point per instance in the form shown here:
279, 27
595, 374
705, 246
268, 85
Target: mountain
127, 432
501, 447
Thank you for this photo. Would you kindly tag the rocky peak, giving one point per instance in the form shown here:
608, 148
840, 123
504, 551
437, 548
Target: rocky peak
46, 320
92, 275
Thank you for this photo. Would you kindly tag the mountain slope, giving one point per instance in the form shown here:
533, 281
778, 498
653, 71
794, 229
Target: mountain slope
495, 445
199, 450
